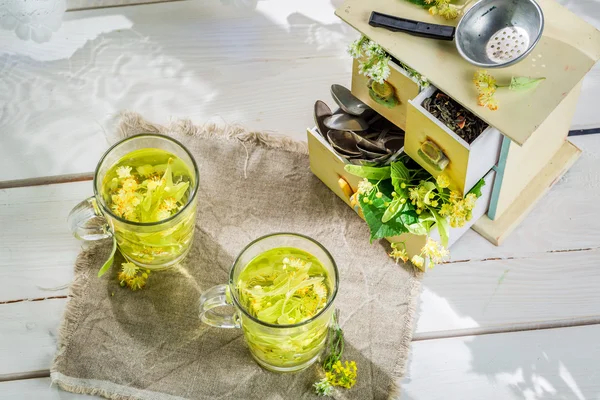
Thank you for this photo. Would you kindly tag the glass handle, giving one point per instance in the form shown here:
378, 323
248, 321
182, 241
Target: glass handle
217, 296
87, 222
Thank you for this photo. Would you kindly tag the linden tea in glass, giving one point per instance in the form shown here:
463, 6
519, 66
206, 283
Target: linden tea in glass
282, 287
145, 190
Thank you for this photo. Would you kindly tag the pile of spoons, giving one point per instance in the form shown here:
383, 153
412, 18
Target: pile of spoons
356, 132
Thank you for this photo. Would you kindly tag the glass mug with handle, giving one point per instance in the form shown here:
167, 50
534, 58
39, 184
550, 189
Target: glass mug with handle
282, 288
145, 189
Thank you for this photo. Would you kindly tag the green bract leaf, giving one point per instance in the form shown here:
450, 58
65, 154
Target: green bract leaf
109, 262
392, 210
443, 228
417, 229
430, 186
400, 174
375, 173
477, 188
521, 84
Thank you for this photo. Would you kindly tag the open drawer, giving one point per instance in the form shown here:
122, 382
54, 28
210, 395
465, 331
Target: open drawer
329, 168
437, 149
393, 104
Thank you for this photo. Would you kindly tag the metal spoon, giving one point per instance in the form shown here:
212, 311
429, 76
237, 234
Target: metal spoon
345, 122
347, 101
344, 142
322, 111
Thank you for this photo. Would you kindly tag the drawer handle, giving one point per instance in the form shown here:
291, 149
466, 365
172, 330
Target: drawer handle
433, 155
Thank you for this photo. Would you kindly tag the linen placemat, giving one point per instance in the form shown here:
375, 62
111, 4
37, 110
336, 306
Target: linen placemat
150, 344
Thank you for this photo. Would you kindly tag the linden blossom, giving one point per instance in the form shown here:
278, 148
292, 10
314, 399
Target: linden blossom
403, 197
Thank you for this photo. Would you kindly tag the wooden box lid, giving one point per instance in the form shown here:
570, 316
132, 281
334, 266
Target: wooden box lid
567, 50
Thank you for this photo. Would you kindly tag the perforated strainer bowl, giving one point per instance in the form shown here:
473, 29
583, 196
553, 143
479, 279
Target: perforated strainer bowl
492, 34
499, 33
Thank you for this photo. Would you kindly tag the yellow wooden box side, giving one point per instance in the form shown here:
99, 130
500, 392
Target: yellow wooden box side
566, 52
523, 163
421, 128
406, 89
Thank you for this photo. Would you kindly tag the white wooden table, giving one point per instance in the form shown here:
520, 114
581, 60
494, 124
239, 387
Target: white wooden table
520, 321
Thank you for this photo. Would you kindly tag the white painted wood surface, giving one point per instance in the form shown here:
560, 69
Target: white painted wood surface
263, 66
535, 365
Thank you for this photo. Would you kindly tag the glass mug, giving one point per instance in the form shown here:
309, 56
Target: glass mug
278, 348
151, 245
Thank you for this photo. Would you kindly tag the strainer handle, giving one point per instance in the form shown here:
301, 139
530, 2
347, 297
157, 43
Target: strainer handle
416, 28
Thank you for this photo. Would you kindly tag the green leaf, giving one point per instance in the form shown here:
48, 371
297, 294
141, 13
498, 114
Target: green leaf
400, 174
417, 229
430, 186
477, 188
392, 210
375, 173
421, 3
443, 227
379, 229
109, 262
522, 83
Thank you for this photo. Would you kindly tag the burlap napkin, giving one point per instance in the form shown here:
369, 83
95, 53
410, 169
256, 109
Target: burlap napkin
150, 344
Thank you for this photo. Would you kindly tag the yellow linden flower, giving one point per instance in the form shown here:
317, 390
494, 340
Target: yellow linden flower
129, 269
448, 11
433, 10
153, 183
365, 187
169, 203
123, 172
470, 201
455, 196
445, 210
398, 254
435, 251
485, 83
342, 375
163, 214
130, 185
418, 261
413, 194
443, 180
488, 100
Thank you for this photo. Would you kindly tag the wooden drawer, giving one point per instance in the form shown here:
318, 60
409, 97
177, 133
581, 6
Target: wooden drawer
405, 89
464, 163
329, 168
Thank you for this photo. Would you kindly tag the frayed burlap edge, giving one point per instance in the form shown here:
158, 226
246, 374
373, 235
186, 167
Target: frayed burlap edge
131, 124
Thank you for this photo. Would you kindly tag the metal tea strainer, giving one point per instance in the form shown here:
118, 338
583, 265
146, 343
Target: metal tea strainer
491, 34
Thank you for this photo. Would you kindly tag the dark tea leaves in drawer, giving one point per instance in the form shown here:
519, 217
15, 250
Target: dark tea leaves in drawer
457, 118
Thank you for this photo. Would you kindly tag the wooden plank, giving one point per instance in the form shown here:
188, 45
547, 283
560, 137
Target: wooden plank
567, 50
28, 336
554, 363
510, 292
565, 219
540, 288
523, 163
261, 68
38, 389
37, 251
547, 364
74, 5
496, 231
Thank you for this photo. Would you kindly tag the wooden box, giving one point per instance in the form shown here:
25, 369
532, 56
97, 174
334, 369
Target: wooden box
535, 151
437, 149
329, 168
405, 88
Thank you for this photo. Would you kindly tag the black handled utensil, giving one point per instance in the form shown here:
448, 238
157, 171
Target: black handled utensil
491, 34
416, 28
